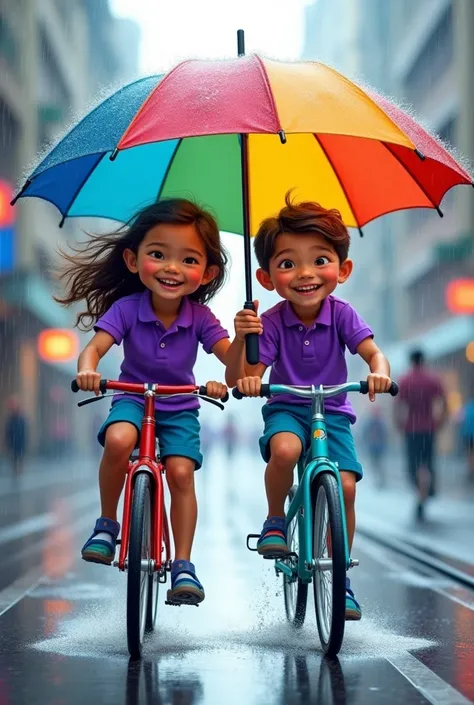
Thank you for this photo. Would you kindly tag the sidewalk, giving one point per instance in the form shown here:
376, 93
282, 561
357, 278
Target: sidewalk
449, 523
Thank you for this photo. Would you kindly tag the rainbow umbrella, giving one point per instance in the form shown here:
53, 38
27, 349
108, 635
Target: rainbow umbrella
236, 135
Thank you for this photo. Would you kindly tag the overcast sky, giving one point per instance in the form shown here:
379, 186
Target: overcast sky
173, 30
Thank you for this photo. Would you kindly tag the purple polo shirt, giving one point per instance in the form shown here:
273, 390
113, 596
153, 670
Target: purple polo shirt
314, 355
154, 354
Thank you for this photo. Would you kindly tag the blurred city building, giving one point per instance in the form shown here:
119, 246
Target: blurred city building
55, 57
421, 53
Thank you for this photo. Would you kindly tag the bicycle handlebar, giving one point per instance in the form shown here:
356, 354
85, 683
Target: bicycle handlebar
158, 389
268, 390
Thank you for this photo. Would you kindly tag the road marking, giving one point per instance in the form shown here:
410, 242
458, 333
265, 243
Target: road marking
20, 588
25, 584
373, 549
35, 524
431, 686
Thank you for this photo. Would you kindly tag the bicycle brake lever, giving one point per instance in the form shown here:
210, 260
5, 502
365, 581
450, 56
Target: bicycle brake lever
211, 401
89, 400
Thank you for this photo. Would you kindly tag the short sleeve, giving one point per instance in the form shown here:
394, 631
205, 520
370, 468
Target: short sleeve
113, 322
268, 342
211, 330
352, 328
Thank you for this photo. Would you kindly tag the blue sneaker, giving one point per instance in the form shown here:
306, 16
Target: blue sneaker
353, 610
185, 587
272, 541
99, 550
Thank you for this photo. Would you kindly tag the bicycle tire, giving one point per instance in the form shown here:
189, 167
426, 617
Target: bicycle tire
295, 592
330, 608
138, 550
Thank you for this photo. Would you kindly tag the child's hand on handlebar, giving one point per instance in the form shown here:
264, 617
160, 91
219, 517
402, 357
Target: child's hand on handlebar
216, 390
88, 381
378, 383
250, 386
247, 321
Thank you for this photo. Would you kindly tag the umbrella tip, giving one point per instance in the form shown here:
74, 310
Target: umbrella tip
282, 136
240, 42
420, 155
113, 156
61, 223
361, 232
440, 212
20, 192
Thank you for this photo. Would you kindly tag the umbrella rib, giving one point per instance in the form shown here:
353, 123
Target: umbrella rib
165, 176
78, 190
268, 86
420, 186
323, 149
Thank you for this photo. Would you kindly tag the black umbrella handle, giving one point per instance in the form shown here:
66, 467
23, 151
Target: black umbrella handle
252, 352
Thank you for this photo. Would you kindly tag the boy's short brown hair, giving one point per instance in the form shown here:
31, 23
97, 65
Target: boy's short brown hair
301, 219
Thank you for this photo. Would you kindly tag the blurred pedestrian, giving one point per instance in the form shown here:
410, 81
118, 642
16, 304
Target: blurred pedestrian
16, 435
420, 411
375, 436
230, 436
467, 435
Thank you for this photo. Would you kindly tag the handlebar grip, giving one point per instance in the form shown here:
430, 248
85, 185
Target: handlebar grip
203, 391
102, 386
264, 392
364, 388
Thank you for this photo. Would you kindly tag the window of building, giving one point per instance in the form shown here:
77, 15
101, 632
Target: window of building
8, 44
433, 60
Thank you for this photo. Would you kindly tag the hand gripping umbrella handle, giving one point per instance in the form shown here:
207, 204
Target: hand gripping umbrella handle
252, 352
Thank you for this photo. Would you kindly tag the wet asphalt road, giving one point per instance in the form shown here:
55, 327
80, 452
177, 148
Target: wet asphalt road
62, 622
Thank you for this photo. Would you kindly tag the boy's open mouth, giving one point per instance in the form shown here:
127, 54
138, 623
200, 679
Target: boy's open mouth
307, 288
169, 283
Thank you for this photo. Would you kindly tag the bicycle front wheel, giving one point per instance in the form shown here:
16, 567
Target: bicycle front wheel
139, 551
152, 611
295, 591
330, 563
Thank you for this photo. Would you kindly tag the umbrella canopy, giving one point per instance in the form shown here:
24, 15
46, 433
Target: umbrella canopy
309, 128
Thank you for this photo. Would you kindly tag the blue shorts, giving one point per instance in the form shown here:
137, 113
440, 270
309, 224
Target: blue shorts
178, 431
294, 418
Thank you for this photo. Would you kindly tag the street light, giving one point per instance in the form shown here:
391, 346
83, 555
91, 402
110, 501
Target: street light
57, 345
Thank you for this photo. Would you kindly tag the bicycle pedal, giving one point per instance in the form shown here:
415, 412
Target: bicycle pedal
252, 536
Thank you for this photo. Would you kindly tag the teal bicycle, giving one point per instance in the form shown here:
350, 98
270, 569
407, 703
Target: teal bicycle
316, 524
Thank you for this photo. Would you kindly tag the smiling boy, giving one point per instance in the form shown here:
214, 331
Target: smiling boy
303, 256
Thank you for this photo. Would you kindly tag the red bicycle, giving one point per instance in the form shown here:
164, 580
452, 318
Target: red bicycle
145, 538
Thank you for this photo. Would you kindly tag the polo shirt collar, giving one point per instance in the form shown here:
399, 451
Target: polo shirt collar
147, 315
291, 319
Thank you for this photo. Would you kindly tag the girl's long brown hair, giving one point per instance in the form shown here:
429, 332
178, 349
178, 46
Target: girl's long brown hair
96, 271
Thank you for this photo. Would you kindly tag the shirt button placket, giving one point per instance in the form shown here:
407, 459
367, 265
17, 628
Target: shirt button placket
307, 345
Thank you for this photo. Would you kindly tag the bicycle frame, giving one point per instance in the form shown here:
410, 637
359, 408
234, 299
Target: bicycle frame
318, 462
147, 459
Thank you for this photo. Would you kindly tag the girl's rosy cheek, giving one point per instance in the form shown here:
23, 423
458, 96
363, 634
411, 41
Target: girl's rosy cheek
194, 277
149, 267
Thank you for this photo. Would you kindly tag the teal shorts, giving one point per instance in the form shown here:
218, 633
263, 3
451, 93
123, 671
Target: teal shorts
178, 431
293, 418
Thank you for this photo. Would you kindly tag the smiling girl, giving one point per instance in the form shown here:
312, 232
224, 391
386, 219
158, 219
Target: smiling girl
146, 286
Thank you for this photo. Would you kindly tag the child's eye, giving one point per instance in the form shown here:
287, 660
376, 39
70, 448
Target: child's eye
286, 264
322, 260
156, 254
190, 260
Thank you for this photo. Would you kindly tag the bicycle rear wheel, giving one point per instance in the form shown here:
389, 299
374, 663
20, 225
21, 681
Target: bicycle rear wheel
295, 592
139, 551
330, 563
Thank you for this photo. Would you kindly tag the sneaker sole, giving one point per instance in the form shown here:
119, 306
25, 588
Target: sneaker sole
270, 551
96, 558
353, 616
184, 597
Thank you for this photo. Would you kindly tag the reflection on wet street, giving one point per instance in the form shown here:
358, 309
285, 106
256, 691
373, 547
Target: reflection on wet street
63, 625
